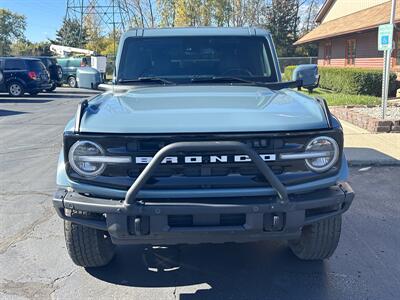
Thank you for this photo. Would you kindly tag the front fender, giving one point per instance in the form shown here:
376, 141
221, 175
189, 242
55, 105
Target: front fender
62, 178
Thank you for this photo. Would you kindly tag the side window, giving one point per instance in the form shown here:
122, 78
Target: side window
14, 64
350, 52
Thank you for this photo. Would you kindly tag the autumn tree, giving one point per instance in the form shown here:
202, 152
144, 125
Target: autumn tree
166, 9
222, 10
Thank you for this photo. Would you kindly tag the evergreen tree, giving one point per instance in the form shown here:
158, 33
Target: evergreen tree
71, 34
282, 21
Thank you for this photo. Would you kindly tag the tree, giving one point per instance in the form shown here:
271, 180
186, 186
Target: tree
12, 28
27, 48
167, 12
222, 9
308, 11
71, 34
282, 20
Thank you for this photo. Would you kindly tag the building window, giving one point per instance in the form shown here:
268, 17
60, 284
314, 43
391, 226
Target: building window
397, 44
327, 53
350, 52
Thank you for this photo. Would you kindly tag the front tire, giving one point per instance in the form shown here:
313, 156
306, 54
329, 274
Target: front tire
318, 241
86, 246
16, 89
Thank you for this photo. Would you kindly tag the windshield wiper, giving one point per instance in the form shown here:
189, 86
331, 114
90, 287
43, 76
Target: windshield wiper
146, 79
270, 85
221, 79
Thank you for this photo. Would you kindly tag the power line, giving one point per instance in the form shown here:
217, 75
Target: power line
109, 16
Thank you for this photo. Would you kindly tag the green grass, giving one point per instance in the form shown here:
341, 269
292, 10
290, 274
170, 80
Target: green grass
338, 99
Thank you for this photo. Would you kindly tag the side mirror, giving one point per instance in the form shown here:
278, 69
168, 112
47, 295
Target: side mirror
308, 74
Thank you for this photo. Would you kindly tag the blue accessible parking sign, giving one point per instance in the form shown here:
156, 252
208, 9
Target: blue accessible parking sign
385, 37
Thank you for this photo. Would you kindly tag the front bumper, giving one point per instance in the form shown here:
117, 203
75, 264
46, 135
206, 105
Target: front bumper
202, 222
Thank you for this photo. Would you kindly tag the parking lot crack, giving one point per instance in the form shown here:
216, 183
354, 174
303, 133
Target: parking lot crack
56, 280
25, 232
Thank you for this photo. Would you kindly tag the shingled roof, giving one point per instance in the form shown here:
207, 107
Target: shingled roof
366, 19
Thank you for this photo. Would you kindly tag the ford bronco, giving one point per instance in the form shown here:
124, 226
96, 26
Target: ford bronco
199, 140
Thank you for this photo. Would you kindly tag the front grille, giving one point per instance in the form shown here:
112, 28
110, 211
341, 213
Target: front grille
145, 148
205, 174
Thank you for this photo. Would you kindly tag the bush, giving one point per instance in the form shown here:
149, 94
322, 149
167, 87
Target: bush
354, 81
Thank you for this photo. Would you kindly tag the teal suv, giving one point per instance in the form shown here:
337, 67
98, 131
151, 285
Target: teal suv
198, 140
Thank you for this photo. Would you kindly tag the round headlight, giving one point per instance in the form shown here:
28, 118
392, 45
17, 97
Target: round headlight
326, 152
81, 156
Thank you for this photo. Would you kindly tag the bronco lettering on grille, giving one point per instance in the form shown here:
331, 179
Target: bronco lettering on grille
197, 159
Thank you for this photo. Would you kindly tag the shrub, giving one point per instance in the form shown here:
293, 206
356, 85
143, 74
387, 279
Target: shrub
355, 81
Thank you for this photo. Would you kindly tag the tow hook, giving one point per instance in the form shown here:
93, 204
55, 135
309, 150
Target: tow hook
139, 225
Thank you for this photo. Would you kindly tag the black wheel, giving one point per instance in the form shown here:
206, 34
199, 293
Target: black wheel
319, 240
16, 89
53, 87
72, 81
86, 246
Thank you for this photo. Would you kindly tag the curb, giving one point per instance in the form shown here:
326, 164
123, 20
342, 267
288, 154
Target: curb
373, 163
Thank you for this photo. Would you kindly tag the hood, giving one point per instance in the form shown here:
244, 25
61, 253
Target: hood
205, 108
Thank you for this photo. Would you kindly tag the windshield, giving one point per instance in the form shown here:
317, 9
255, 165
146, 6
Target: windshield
180, 59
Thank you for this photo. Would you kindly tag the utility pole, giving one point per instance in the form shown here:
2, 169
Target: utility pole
386, 68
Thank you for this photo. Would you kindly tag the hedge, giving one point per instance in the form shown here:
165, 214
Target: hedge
355, 81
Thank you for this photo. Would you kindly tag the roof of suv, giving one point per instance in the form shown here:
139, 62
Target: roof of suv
199, 31
14, 57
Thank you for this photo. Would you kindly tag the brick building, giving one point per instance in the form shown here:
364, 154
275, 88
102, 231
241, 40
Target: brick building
347, 34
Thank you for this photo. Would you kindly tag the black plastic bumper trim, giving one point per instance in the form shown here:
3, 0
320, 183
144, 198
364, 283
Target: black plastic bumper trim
116, 213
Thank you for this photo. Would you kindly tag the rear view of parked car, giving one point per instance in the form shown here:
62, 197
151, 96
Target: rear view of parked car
54, 69
69, 66
23, 75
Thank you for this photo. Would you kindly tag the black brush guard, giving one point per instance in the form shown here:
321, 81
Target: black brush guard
118, 212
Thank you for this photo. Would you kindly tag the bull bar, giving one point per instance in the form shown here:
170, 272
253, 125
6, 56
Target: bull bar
118, 211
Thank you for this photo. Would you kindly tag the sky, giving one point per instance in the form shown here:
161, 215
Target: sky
43, 17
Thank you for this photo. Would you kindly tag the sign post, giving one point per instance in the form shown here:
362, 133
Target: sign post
385, 43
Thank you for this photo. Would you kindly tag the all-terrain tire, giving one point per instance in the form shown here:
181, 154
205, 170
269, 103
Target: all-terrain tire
318, 241
86, 246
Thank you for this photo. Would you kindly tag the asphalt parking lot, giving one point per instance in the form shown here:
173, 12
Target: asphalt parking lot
34, 262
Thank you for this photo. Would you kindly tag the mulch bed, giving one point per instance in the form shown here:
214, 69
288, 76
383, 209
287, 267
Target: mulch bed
352, 114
